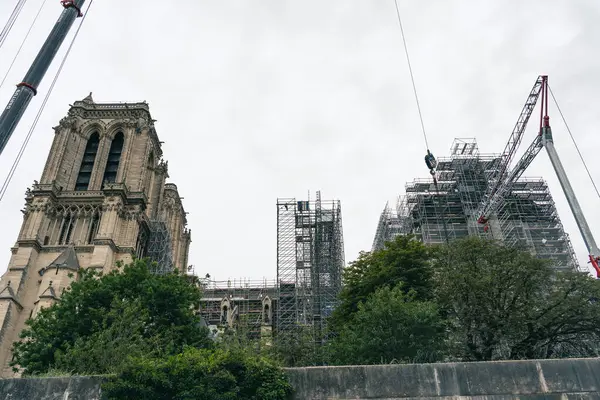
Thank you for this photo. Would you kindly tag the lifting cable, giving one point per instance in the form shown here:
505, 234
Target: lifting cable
22, 43
575, 143
411, 75
11, 21
37, 117
430, 160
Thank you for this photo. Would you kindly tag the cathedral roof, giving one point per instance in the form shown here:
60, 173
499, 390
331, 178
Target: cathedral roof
9, 293
67, 259
49, 293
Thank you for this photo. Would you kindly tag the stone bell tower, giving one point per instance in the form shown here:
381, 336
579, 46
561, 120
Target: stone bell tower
102, 198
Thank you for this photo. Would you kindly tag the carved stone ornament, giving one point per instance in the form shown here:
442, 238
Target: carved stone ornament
141, 125
69, 122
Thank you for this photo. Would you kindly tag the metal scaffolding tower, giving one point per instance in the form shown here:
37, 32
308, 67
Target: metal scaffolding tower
527, 217
310, 260
159, 246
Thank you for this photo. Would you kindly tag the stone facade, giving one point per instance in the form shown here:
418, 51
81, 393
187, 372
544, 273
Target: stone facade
101, 194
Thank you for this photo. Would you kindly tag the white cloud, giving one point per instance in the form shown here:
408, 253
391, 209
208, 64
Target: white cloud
266, 99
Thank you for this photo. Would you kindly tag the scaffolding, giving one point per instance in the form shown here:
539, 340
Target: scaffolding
158, 246
239, 304
390, 225
310, 260
527, 218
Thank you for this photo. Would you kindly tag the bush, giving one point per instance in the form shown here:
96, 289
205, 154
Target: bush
200, 374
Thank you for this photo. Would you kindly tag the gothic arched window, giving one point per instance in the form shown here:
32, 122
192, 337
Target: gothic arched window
87, 163
114, 156
149, 172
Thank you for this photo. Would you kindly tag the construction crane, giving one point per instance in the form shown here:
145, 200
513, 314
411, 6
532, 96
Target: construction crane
28, 87
503, 181
499, 185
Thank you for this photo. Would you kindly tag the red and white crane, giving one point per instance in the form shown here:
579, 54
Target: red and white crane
503, 180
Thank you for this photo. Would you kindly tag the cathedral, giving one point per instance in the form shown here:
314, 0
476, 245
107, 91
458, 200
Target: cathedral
101, 199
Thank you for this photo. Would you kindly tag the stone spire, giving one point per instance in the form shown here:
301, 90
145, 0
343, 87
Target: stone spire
89, 99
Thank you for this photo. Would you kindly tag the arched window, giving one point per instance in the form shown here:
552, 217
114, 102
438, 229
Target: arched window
87, 164
66, 230
266, 318
114, 156
93, 228
149, 172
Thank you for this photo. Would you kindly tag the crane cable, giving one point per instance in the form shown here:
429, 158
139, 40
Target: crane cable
429, 159
11, 21
22, 43
412, 78
37, 117
575, 143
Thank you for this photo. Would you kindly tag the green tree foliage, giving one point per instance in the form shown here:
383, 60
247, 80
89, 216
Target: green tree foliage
296, 347
390, 326
404, 260
502, 303
472, 300
101, 320
200, 375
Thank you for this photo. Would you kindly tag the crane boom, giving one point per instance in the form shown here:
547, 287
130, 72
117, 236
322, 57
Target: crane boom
493, 194
28, 87
520, 167
543, 140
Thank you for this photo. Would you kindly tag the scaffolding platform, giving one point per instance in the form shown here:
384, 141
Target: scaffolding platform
528, 216
310, 260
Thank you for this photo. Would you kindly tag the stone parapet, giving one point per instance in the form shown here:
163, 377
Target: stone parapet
545, 379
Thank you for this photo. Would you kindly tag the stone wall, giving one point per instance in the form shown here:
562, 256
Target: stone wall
68, 388
547, 379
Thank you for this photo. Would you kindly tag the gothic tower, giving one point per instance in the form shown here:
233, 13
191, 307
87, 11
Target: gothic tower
102, 198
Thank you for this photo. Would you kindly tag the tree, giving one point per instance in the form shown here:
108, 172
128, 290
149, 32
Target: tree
503, 303
200, 374
297, 346
390, 326
404, 260
129, 311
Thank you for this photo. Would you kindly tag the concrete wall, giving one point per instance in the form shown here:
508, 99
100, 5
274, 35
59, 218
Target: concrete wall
547, 379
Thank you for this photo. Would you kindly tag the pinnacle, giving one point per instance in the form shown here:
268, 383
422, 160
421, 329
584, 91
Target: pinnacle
89, 98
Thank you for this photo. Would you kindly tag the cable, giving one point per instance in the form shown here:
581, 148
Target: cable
575, 143
411, 74
11, 21
37, 117
22, 43
429, 159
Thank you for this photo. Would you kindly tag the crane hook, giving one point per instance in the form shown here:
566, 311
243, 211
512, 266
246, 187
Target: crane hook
431, 162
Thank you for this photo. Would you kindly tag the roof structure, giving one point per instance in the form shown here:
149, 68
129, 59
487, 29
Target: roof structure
67, 259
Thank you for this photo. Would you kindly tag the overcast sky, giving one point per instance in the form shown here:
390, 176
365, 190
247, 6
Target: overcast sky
257, 100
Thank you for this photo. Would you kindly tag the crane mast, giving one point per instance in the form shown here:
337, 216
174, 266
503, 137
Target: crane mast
497, 193
548, 143
28, 87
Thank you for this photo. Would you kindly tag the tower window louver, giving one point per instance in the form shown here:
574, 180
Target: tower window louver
114, 157
87, 163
